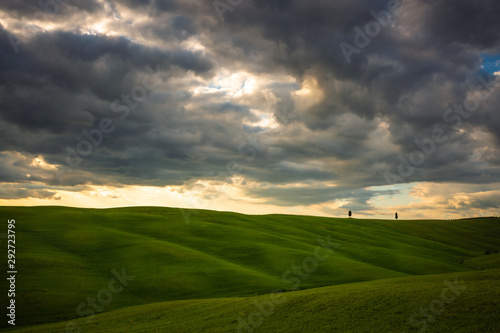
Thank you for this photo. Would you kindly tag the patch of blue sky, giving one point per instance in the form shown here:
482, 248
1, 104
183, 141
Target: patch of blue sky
491, 63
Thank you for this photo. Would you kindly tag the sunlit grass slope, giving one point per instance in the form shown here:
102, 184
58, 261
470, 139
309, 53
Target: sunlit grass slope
390, 305
65, 255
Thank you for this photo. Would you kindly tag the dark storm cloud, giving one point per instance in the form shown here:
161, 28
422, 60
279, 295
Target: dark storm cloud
22, 193
398, 78
470, 22
395, 90
62, 83
286, 196
70, 61
51, 84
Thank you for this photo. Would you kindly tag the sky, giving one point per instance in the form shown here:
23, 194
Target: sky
256, 106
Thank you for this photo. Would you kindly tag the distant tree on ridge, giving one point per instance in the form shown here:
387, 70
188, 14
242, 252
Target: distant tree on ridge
350, 214
396, 216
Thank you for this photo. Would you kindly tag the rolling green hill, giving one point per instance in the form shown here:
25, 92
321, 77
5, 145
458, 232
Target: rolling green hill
212, 266
390, 305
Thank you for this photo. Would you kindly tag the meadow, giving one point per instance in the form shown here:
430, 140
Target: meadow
148, 269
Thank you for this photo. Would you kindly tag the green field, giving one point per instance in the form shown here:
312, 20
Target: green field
206, 275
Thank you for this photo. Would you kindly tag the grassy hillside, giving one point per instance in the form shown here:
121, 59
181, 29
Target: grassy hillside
391, 305
66, 255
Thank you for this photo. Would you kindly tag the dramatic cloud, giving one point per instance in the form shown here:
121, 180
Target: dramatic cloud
266, 106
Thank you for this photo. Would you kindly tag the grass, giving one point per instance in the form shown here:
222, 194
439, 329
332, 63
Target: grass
202, 276
377, 306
